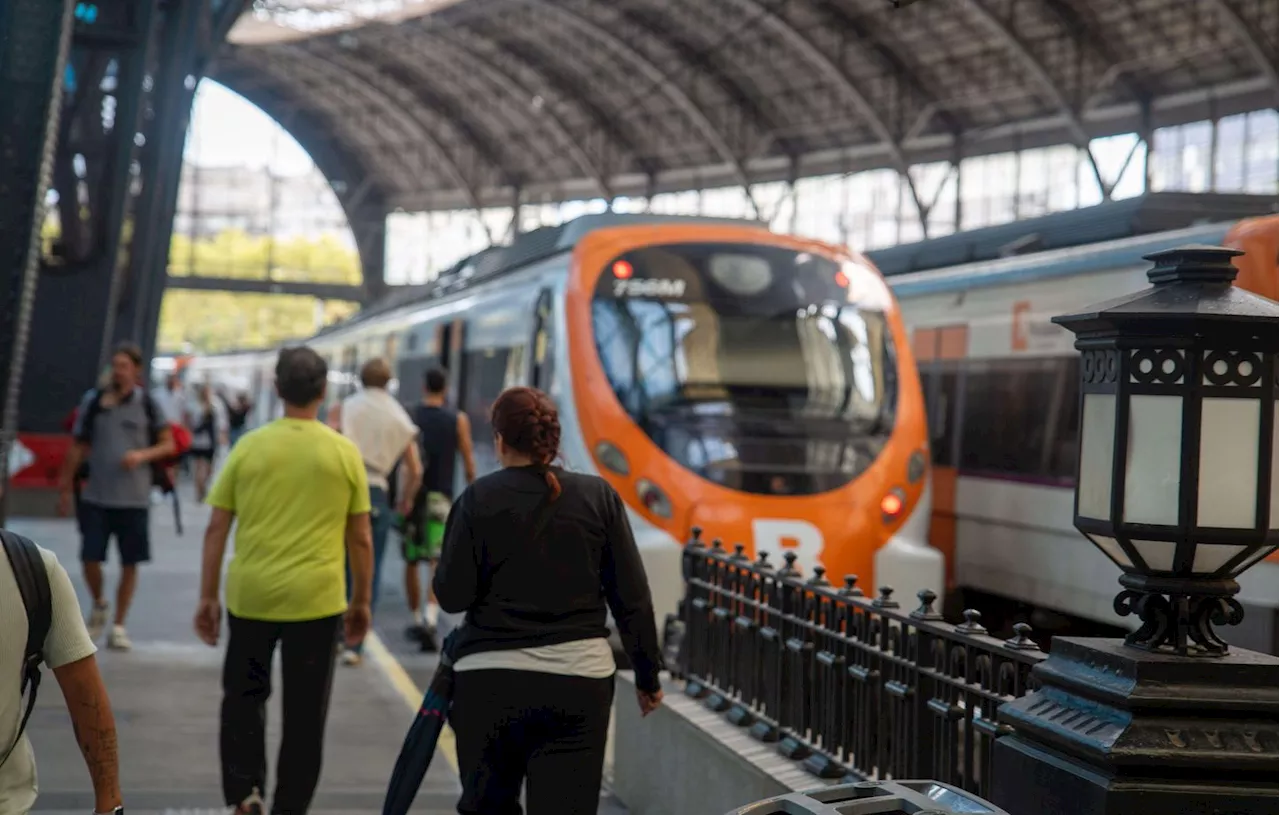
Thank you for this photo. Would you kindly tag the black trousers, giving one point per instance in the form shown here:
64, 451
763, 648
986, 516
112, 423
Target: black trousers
544, 730
307, 661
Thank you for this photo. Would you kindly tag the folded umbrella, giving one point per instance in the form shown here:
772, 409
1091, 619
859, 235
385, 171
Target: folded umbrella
420, 743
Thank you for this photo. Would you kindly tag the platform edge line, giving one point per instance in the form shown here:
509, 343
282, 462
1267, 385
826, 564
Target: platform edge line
412, 695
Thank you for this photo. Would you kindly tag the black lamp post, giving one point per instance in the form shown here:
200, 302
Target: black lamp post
1177, 479
1177, 485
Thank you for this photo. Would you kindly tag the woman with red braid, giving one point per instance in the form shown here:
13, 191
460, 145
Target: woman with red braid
533, 554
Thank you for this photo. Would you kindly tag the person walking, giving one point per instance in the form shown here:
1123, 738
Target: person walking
120, 432
70, 654
238, 416
533, 554
208, 430
444, 434
384, 433
298, 495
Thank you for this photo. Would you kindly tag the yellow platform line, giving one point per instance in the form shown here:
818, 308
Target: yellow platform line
412, 695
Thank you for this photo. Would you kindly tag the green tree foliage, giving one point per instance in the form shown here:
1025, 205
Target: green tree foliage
206, 321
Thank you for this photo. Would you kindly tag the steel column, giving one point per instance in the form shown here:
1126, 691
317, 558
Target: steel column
32, 60
176, 76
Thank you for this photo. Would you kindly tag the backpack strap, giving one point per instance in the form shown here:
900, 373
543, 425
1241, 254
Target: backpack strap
90, 417
153, 426
33, 584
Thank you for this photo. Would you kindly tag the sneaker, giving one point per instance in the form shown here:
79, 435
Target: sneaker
351, 658
118, 640
415, 632
252, 805
427, 643
97, 620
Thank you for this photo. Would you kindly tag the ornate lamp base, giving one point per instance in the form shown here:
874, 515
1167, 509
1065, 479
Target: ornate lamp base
1114, 730
1178, 615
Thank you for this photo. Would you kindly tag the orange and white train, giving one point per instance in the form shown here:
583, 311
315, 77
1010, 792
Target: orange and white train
1001, 384
759, 386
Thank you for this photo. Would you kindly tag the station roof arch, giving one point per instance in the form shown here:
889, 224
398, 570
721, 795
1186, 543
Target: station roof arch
480, 103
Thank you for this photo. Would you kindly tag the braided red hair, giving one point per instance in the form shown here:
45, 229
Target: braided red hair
529, 423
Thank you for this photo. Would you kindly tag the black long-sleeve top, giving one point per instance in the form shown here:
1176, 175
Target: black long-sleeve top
521, 591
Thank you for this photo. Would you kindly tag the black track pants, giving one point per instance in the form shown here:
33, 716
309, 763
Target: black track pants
545, 730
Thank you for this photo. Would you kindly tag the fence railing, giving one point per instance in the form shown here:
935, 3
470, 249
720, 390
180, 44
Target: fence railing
849, 685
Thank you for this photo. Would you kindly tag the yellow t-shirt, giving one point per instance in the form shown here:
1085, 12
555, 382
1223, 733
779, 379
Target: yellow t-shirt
291, 484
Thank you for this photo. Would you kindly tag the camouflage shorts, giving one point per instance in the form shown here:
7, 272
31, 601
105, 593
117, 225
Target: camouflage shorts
423, 532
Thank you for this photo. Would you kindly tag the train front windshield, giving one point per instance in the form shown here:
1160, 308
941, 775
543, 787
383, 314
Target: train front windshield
760, 368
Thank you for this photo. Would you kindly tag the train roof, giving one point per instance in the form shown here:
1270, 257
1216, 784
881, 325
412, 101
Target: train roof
527, 248
1115, 220
1073, 260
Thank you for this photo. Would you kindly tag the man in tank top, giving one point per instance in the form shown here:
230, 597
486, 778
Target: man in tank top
444, 434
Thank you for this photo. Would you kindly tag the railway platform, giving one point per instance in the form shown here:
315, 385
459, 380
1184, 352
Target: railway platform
166, 692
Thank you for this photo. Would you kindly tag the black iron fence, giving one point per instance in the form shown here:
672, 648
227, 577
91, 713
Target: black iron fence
849, 685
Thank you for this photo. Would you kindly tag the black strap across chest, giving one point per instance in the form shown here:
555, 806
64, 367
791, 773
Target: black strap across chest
33, 584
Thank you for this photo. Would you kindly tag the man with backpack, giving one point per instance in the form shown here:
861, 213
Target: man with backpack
126, 440
40, 622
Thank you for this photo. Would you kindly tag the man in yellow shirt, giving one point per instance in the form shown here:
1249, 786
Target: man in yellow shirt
299, 496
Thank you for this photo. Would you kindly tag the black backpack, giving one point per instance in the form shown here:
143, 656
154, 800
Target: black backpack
33, 584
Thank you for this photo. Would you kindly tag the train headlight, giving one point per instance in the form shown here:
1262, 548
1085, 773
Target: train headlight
653, 498
892, 504
916, 466
611, 458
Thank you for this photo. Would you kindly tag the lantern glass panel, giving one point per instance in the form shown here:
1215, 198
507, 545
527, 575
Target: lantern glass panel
1097, 451
1154, 463
1210, 557
1228, 463
1157, 554
1111, 548
1275, 470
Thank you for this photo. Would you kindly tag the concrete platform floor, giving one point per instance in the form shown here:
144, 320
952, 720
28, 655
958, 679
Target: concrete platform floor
166, 691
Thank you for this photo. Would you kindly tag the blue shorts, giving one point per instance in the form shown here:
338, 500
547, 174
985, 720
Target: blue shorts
130, 527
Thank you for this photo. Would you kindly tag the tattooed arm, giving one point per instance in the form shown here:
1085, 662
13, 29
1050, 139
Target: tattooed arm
95, 728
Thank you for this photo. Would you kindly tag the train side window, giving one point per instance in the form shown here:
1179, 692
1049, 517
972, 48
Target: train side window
1020, 418
942, 404
543, 349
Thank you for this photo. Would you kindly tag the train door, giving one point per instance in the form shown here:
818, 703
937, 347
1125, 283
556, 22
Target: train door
492, 351
449, 338
939, 353
542, 356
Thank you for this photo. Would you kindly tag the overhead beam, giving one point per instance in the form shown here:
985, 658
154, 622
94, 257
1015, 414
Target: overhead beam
479, 78
503, 79
567, 86
1040, 74
842, 80
673, 36
847, 19
1260, 54
408, 74
652, 73
323, 291
355, 77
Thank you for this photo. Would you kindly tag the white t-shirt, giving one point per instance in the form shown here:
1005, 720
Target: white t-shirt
68, 642
380, 428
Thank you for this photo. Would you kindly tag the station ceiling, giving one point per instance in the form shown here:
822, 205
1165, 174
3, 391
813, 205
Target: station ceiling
481, 100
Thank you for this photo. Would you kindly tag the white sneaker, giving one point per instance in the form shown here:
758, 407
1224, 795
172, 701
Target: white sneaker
351, 658
97, 620
118, 640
